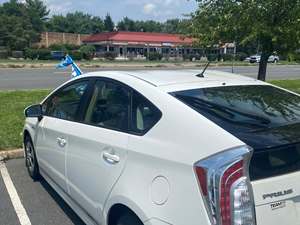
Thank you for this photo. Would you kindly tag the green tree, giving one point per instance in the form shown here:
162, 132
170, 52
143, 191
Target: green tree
108, 23
127, 24
76, 22
171, 26
274, 25
149, 26
36, 13
21, 23
87, 51
177, 26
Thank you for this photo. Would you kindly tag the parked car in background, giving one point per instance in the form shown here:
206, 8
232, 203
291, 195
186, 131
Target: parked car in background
256, 59
247, 59
273, 59
58, 55
169, 147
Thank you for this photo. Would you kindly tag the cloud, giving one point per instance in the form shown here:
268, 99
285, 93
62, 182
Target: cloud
59, 7
171, 2
135, 9
149, 8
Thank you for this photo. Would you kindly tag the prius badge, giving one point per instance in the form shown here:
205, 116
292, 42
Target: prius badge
278, 194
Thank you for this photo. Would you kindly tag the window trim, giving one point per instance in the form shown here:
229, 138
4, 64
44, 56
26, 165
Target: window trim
129, 129
142, 133
81, 105
96, 79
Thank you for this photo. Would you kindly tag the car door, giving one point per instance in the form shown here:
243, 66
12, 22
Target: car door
60, 110
97, 147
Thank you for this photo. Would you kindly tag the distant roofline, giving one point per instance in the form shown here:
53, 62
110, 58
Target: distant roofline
139, 33
109, 36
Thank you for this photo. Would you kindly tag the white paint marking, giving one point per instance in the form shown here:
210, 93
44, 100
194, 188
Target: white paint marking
14, 197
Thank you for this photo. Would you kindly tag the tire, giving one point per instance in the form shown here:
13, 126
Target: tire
129, 219
30, 159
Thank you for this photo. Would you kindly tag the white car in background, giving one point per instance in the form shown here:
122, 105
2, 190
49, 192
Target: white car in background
256, 59
169, 147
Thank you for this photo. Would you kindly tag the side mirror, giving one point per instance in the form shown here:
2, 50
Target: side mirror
34, 111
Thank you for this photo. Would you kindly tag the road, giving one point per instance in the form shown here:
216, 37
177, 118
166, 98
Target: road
12, 79
40, 202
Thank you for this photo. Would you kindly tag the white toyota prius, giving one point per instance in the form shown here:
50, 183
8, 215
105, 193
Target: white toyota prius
169, 147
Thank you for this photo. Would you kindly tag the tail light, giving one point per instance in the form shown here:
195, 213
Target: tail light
225, 185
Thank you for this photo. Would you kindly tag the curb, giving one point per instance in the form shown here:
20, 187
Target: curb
12, 154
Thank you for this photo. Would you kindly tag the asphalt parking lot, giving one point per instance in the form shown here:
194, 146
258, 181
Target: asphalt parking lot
48, 78
33, 203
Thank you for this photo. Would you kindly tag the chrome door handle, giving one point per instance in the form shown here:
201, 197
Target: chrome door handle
61, 142
111, 158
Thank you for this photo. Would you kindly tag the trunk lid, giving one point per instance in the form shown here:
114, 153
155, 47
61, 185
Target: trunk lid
275, 174
277, 200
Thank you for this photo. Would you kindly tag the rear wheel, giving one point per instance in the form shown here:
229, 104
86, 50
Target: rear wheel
129, 219
30, 159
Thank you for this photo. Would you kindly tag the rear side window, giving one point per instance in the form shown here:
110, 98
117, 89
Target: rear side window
64, 104
144, 115
109, 106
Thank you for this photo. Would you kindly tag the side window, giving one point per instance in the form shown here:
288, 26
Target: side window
144, 114
109, 106
64, 104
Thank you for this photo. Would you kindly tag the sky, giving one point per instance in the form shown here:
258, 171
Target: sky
159, 10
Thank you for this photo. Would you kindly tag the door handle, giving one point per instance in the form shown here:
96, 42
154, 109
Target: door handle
111, 158
61, 142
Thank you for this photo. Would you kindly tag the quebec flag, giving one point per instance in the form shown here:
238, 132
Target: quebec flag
67, 61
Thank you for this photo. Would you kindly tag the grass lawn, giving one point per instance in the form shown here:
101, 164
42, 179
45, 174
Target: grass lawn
293, 85
12, 104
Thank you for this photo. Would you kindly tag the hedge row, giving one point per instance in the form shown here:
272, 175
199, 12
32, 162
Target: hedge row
217, 57
85, 52
154, 56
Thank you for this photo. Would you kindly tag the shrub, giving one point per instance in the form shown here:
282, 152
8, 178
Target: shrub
294, 57
283, 57
191, 57
110, 55
3, 54
41, 53
76, 55
17, 54
212, 57
154, 56
63, 47
187, 57
87, 51
241, 56
227, 57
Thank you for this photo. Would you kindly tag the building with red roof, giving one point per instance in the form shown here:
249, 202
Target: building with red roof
141, 38
140, 44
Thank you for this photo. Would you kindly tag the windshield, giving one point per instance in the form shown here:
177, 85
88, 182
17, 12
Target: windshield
244, 108
264, 117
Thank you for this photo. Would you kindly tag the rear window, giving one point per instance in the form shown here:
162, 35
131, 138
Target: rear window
264, 117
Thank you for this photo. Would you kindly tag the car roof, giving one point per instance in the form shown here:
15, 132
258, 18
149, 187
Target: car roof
171, 77
180, 79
